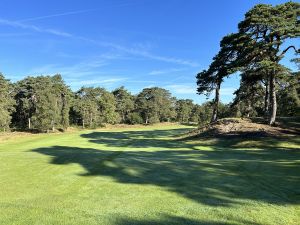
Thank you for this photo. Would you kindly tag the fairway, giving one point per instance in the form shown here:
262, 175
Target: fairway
124, 176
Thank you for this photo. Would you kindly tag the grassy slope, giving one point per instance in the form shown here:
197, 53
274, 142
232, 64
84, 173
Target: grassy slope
144, 176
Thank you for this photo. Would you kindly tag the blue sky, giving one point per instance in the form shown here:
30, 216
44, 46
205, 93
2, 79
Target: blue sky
135, 43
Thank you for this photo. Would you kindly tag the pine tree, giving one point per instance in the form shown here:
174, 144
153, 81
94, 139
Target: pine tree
6, 103
155, 105
270, 26
184, 109
226, 62
124, 103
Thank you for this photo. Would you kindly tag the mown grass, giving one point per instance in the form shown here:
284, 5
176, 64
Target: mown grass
146, 176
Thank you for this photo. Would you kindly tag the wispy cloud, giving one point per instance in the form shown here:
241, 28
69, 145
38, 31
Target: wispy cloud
141, 53
57, 15
136, 51
34, 28
76, 74
75, 12
81, 69
166, 71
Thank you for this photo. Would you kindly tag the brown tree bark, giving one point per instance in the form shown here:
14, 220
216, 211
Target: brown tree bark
216, 103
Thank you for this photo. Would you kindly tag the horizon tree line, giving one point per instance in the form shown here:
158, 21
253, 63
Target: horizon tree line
46, 103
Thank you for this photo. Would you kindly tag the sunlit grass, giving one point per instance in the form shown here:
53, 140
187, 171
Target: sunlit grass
146, 176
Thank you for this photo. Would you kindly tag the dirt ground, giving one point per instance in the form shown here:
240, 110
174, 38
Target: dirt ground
246, 128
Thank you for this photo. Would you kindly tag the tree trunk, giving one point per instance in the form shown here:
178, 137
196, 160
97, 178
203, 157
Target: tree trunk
146, 120
273, 100
83, 123
29, 123
52, 123
249, 109
267, 98
216, 103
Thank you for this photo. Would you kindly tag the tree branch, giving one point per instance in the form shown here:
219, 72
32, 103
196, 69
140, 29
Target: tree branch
285, 50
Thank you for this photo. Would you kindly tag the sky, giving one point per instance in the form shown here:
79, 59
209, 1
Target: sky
113, 43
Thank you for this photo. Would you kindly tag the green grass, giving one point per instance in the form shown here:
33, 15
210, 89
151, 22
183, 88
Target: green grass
145, 176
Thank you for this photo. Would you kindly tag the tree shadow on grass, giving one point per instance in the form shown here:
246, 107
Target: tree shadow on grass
139, 139
176, 220
221, 176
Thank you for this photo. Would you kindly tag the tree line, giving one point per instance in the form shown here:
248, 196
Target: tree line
46, 103
264, 37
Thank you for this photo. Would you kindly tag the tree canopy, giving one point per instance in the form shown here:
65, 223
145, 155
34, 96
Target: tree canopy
256, 51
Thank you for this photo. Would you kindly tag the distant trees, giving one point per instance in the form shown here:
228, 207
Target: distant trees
289, 95
42, 103
46, 103
124, 103
256, 51
184, 108
6, 103
155, 105
95, 106
63, 98
85, 106
249, 100
195, 114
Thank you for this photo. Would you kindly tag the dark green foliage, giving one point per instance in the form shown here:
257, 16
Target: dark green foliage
155, 105
107, 108
270, 26
249, 100
85, 106
225, 110
46, 110
25, 102
195, 114
124, 103
205, 113
134, 118
43, 103
63, 99
256, 50
95, 106
184, 109
6, 103
289, 96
